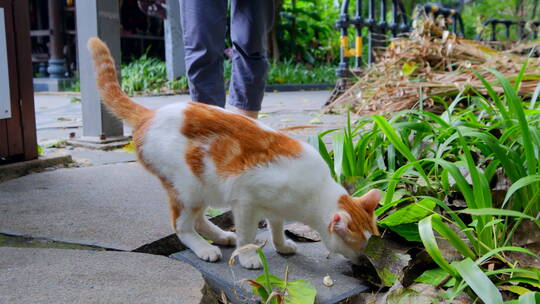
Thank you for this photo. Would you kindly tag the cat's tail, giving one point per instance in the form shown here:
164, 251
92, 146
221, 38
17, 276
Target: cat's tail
111, 93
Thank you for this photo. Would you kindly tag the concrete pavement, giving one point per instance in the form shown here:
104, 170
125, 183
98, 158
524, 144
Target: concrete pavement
113, 206
80, 276
57, 116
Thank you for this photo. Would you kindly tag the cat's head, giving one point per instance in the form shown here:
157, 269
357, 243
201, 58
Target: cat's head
351, 227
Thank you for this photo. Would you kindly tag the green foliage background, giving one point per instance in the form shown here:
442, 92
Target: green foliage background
306, 28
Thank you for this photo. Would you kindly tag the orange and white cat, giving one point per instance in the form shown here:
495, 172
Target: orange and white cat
207, 156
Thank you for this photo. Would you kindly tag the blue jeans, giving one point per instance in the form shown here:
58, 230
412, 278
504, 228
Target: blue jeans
204, 27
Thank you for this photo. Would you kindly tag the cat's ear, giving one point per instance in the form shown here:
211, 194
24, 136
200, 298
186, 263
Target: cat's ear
339, 225
370, 200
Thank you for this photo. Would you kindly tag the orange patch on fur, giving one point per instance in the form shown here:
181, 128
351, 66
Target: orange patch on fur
237, 143
194, 159
361, 220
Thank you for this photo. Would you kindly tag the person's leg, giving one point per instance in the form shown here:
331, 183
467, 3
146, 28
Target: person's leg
204, 27
250, 23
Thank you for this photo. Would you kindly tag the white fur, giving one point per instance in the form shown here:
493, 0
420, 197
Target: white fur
287, 189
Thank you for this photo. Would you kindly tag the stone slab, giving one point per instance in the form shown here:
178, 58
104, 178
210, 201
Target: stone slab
30, 275
118, 206
98, 157
15, 170
111, 145
310, 263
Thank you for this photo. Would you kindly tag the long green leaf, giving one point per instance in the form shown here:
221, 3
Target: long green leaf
428, 239
338, 142
528, 208
394, 180
535, 97
398, 144
494, 96
461, 182
478, 281
495, 212
266, 270
481, 193
522, 182
452, 237
530, 298
517, 108
411, 213
349, 148
501, 249
519, 78
511, 271
456, 220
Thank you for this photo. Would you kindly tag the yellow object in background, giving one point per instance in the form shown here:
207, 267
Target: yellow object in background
351, 52
344, 42
358, 46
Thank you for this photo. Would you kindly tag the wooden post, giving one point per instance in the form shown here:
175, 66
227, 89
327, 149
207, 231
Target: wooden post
18, 130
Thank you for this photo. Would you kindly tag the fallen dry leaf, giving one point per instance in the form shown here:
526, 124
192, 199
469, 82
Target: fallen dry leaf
302, 233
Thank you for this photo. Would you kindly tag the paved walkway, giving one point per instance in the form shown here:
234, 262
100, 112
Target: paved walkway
57, 116
109, 202
79, 276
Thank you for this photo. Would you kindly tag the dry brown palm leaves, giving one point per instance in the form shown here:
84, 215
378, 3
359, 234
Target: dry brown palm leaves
430, 64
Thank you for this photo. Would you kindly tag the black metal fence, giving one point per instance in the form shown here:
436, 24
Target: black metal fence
382, 20
388, 18
521, 30
377, 27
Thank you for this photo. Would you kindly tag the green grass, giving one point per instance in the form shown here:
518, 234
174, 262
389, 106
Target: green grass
296, 73
148, 75
423, 161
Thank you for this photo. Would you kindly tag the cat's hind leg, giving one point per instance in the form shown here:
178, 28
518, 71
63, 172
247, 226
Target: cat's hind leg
186, 230
246, 229
175, 210
189, 237
281, 244
213, 232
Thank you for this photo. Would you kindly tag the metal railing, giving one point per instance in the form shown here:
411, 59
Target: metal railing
519, 26
379, 28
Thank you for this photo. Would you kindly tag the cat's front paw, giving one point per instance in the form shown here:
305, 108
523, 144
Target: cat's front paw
208, 253
226, 238
250, 260
288, 247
